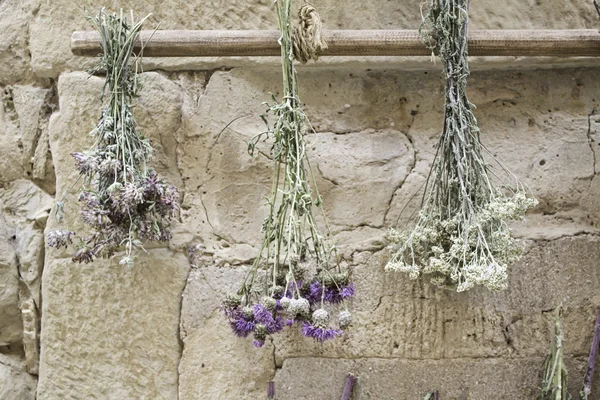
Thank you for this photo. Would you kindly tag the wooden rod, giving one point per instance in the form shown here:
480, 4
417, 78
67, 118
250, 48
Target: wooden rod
555, 43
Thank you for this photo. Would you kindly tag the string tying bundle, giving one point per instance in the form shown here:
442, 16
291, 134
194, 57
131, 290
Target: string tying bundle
308, 40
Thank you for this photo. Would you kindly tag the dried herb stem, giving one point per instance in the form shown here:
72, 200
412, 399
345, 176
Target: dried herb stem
302, 271
460, 238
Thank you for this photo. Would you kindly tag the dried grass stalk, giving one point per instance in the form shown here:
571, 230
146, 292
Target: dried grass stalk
554, 381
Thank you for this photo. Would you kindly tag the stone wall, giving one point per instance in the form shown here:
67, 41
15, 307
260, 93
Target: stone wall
154, 330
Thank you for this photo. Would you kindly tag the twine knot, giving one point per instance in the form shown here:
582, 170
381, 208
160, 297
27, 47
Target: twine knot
308, 35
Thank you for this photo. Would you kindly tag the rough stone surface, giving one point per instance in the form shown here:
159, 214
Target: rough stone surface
15, 383
11, 328
24, 211
24, 114
396, 317
361, 126
139, 357
114, 332
15, 16
387, 379
111, 332
214, 359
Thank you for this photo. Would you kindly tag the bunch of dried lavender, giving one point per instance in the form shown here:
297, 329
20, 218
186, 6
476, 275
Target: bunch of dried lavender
124, 201
302, 270
554, 381
461, 237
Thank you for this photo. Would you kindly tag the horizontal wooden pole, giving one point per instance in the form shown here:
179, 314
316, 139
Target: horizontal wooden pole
165, 43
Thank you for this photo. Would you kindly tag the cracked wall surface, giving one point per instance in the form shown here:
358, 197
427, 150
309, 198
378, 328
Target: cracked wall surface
156, 331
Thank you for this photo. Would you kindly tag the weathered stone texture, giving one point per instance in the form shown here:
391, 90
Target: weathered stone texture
15, 16
396, 379
123, 321
111, 332
24, 114
24, 210
15, 383
377, 145
215, 364
11, 331
116, 332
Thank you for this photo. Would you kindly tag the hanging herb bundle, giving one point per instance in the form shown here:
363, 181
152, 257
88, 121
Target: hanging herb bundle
124, 201
554, 381
296, 278
461, 237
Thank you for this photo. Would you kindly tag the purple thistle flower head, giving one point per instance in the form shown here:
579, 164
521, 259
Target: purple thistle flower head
315, 292
318, 333
241, 323
258, 343
242, 327
347, 291
332, 295
263, 316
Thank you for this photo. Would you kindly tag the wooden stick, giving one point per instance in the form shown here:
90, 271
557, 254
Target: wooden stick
555, 43
589, 374
348, 386
271, 390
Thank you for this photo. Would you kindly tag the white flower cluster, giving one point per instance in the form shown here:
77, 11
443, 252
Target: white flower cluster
458, 253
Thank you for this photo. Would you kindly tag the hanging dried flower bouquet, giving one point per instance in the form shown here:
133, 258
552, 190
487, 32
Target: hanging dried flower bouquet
124, 201
296, 277
461, 237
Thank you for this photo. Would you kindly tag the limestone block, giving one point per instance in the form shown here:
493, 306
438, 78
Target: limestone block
367, 167
215, 364
540, 124
219, 175
24, 114
23, 202
15, 383
397, 379
11, 326
24, 210
110, 331
396, 317
15, 17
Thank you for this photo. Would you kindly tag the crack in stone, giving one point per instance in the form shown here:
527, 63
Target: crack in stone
180, 329
590, 141
410, 172
332, 181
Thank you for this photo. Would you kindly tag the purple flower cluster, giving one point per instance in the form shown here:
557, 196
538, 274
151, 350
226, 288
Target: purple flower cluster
138, 210
257, 320
123, 201
318, 333
119, 213
332, 295
59, 239
284, 310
